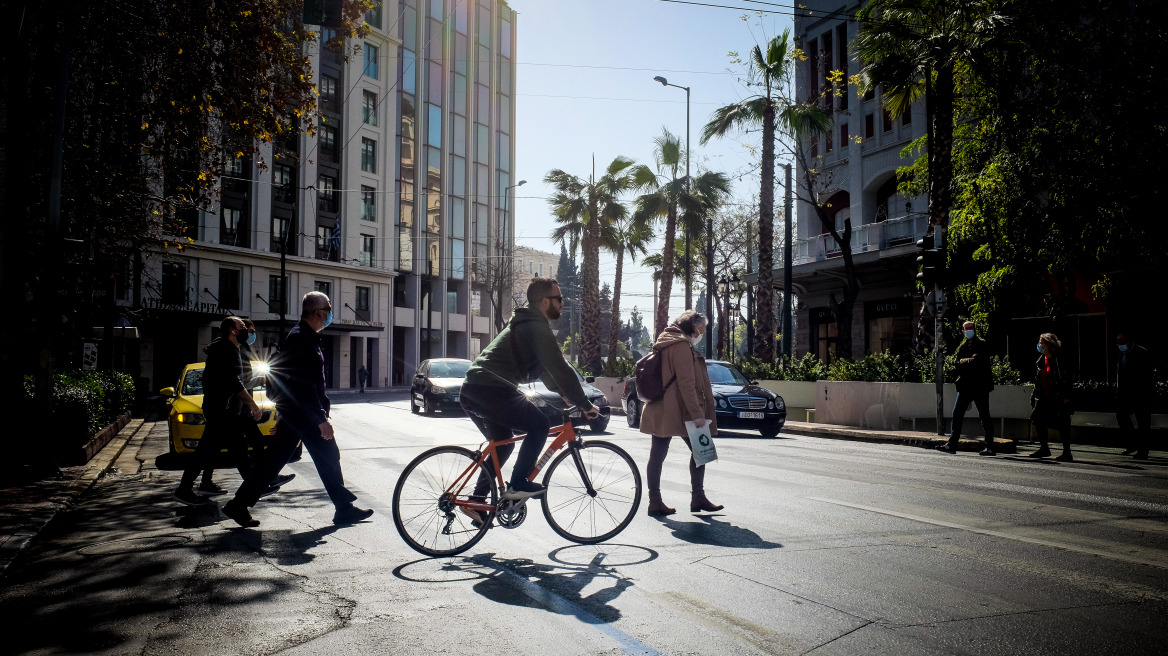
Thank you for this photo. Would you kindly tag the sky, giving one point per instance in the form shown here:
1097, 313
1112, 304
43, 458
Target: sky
585, 88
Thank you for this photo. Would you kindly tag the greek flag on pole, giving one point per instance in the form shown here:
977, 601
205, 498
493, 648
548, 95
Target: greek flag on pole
335, 241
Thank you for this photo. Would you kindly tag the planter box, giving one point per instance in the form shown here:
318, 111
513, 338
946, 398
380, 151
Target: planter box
799, 395
613, 389
85, 453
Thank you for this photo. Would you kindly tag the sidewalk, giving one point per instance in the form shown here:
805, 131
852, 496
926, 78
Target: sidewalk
26, 509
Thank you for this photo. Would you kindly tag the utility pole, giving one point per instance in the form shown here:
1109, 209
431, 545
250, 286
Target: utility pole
788, 337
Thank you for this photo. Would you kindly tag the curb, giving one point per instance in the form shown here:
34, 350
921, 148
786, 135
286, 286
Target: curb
922, 440
69, 491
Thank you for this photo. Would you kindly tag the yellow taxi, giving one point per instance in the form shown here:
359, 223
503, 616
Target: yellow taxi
186, 420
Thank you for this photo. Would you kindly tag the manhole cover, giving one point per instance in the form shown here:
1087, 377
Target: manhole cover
134, 545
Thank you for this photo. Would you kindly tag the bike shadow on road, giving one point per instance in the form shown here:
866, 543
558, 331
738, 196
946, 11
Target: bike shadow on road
715, 532
557, 588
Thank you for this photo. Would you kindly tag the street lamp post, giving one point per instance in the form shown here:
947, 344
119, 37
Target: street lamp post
709, 227
506, 231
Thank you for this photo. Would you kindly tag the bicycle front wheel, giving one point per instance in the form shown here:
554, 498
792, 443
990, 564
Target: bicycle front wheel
427, 515
590, 517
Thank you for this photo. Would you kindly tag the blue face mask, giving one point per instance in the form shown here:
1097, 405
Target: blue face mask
1122, 347
1040, 348
329, 319
969, 334
251, 338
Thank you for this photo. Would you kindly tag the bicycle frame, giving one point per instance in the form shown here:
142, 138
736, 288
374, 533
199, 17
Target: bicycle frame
564, 435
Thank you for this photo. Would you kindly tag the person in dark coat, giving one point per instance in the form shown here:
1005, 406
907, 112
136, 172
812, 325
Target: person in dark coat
296, 384
248, 426
1051, 399
1134, 385
362, 376
224, 397
974, 384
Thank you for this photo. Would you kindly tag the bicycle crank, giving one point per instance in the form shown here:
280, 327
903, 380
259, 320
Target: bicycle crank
510, 513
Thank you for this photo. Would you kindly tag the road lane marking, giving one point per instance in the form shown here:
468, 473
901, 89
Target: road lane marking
1162, 564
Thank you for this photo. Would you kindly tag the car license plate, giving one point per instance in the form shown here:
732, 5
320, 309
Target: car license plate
751, 415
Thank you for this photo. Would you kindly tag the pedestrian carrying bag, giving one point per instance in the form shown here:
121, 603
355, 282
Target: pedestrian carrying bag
648, 377
702, 443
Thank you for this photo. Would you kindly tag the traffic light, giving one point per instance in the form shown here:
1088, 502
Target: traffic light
931, 260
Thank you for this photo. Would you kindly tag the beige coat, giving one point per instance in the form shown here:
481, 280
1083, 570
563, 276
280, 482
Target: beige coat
689, 397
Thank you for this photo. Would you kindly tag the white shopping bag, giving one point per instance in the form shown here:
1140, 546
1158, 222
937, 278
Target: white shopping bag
702, 443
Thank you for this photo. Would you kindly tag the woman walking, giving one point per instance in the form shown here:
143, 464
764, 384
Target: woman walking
688, 397
1051, 400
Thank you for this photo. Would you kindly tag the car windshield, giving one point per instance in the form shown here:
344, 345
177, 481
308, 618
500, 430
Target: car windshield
192, 384
724, 374
448, 369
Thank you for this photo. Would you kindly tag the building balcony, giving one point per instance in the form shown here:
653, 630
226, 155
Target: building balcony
865, 238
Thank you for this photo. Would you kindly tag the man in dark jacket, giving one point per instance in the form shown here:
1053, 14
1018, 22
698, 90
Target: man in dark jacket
1134, 383
296, 383
224, 396
974, 383
525, 350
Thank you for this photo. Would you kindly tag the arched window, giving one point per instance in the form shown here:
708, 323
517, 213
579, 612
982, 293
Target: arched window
838, 209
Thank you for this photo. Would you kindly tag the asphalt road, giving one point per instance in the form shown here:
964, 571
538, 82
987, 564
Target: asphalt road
825, 547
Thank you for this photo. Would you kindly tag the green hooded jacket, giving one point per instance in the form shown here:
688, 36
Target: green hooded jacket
525, 350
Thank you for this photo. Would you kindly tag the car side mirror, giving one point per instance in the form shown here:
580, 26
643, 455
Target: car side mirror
167, 391
590, 379
754, 382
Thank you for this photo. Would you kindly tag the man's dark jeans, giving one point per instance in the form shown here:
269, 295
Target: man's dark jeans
222, 431
325, 455
499, 412
1139, 439
983, 409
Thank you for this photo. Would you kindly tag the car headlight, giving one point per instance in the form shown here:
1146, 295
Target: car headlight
190, 444
261, 369
434, 389
601, 400
190, 418
721, 403
778, 404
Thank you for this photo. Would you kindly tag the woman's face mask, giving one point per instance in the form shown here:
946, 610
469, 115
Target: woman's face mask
1040, 348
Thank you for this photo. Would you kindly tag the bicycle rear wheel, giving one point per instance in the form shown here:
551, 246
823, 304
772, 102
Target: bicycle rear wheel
589, 518
425, 513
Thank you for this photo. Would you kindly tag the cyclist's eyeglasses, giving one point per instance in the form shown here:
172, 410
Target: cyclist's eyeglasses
558, 298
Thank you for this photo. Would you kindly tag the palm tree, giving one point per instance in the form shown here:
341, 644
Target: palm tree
626, 234
771, 72
670, 195
913, 49
583, 208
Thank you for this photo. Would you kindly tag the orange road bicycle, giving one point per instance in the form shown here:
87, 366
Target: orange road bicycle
593, 491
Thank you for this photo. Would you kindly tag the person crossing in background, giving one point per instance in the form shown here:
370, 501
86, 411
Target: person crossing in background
974, 384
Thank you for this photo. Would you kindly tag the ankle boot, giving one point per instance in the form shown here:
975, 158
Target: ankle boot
658, 507
699, 503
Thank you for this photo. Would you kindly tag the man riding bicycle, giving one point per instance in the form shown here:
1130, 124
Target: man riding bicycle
525, 350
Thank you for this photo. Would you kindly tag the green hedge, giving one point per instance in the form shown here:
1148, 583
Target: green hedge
84, 402
883, 367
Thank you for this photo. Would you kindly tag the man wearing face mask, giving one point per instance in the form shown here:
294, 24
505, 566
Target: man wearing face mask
223, 398
1134, 382
974, 383
296, 383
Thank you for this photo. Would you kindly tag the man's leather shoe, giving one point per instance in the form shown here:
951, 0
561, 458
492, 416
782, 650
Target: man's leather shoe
1065, 457
351, 514
1041, 453
240, 514
987, 452
282, 479
945, 448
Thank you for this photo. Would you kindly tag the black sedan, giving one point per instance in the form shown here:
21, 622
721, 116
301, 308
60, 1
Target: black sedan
740, 403
552, 405
437, 385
